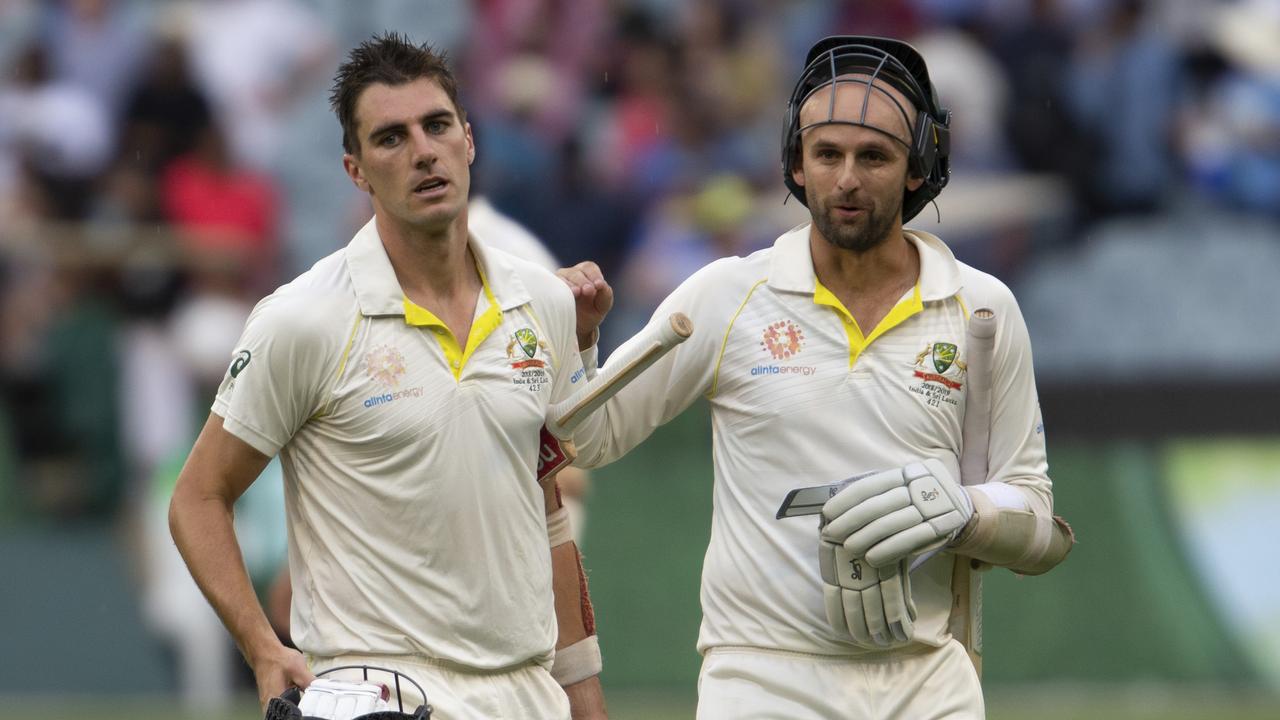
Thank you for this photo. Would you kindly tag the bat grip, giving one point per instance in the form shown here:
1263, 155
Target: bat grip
633, 358
976, 434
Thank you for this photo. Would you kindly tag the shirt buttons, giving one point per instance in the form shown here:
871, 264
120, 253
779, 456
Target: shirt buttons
455, 364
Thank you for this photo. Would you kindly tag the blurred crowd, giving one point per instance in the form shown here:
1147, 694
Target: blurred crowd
165, 164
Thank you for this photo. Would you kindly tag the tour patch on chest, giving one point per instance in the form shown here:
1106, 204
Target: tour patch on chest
938, 374
528, 370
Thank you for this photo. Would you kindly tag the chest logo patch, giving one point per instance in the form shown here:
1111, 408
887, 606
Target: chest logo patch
385, 366
528, 341
530, 370
940, 371
944, 355
783, 339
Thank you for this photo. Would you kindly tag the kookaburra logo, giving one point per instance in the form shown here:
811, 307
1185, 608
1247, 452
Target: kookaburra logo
855, 569
927, 495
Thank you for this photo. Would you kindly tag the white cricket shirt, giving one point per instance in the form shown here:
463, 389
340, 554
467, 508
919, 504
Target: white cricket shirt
801, 396
416, 525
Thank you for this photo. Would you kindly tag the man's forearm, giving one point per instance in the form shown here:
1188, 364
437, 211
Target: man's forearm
586, 699
1013, 537
204, 533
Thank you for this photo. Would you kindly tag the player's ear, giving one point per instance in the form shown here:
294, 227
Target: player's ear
914, 182
797, 167
352, 166
471, 143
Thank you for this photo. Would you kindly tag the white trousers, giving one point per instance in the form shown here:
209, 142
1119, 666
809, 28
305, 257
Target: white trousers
524, 693
756, 684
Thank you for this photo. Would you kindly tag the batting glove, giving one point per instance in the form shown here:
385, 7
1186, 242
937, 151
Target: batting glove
872, 606
893, 514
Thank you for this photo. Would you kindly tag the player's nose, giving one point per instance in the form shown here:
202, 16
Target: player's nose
423, 149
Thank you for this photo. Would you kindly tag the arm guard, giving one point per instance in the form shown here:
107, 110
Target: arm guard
1020, 540
577, 650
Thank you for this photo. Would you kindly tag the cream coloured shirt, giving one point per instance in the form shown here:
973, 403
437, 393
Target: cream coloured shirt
416, 525
801, 396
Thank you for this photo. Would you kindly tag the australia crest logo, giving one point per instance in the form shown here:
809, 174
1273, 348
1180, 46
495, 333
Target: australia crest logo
940, 363
530, 371
526, 341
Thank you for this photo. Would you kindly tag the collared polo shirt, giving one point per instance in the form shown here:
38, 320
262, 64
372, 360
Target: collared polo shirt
800, 395
416, 525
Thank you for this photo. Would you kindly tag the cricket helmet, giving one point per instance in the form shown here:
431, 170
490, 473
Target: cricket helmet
868, 61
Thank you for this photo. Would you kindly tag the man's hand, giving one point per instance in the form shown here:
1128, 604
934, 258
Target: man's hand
278, 669
890, 515
593, 296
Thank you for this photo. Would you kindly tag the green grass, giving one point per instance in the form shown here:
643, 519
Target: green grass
1156, 702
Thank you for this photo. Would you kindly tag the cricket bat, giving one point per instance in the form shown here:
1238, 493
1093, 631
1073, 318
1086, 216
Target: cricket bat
556, 449
966, 582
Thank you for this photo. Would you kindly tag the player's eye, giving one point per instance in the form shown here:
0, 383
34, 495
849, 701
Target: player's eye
389, 140
436, 127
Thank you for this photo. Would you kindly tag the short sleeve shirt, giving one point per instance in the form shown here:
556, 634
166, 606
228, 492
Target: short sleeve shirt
416, 525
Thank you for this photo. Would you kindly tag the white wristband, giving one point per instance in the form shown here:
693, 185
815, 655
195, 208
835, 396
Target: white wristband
559, 529
577, 662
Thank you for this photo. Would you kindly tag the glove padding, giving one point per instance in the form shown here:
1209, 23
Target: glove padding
872, 606
339, 700
890, 515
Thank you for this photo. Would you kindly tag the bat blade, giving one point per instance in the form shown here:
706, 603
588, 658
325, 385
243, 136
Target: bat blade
556, 449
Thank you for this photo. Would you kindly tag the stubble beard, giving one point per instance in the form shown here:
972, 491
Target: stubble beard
859, 237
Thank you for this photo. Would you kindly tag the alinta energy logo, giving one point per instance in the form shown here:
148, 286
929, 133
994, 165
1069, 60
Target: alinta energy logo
783, 340
385, 365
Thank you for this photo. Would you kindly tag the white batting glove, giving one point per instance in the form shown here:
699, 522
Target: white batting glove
338, 700
872, 606
896, 513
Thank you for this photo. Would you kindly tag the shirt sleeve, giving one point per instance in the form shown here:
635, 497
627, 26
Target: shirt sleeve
1017, 445
670, 385
277, 373
569, 372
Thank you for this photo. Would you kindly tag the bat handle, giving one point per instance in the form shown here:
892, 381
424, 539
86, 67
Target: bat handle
633, 358
976, 428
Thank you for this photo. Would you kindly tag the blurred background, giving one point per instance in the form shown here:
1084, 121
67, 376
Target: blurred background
165, 164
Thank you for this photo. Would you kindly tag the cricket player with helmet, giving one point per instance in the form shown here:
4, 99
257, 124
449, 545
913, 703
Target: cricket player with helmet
850, 361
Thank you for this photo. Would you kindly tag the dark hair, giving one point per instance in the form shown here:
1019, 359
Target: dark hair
391, 59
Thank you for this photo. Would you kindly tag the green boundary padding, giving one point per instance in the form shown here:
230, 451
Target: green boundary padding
647, 528
1125, 606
